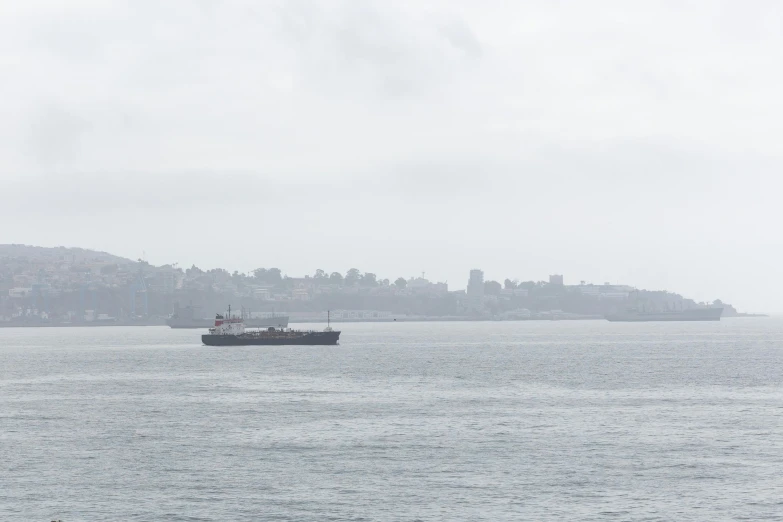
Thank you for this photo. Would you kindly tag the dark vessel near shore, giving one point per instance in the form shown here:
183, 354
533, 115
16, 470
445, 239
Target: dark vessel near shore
187, 318
692, 314
230, 331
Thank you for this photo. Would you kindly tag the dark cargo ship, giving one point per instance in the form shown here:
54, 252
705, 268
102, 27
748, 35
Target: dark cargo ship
230, 331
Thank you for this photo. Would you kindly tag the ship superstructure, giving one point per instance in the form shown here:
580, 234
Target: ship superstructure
188, 318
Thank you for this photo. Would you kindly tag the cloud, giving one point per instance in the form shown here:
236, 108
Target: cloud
529, 133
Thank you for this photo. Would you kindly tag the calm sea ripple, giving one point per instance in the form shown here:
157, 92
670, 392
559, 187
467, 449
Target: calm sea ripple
584, 420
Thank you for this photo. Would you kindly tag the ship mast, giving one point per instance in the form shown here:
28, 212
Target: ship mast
328, 321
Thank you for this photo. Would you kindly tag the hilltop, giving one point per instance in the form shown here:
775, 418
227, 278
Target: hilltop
52, 254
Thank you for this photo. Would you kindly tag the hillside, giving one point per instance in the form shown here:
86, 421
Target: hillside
76, 285
72, 255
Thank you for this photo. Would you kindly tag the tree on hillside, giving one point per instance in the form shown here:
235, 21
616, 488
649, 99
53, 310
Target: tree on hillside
400, 283
369, 279
508, 284
492, 288
320, 275
219, 275
274, 275
336, 278
270, 276
352, 276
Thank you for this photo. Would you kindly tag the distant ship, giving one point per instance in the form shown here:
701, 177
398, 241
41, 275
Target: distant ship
184, 318
230, 331
693, 314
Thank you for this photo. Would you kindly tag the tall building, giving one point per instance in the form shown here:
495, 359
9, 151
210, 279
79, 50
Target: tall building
476, 283
556, 280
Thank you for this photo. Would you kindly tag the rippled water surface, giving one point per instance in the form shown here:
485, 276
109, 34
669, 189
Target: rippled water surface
403, 421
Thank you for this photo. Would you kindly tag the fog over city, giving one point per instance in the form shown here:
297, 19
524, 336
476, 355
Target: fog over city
628, 142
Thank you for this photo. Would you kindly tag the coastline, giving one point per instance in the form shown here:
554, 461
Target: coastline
313, 320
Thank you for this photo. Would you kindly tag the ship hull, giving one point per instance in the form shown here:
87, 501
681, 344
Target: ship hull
264, 322
303, 339
697, 314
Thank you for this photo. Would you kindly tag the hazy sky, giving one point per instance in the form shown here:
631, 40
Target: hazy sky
634, 142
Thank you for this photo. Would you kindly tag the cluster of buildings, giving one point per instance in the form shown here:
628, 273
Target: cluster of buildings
305, 288
83, 286
477, 288
502, 300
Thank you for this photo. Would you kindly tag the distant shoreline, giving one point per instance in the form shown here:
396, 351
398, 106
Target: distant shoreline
445, 319
355, 320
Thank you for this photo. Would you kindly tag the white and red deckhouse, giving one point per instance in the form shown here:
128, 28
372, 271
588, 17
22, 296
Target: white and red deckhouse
228, 326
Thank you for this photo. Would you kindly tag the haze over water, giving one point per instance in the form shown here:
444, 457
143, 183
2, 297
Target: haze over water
615, 141
482, 421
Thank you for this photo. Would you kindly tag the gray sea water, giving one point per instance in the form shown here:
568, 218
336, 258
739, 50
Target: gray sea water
403, 421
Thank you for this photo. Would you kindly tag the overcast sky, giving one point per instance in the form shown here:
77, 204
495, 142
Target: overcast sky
630, 142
